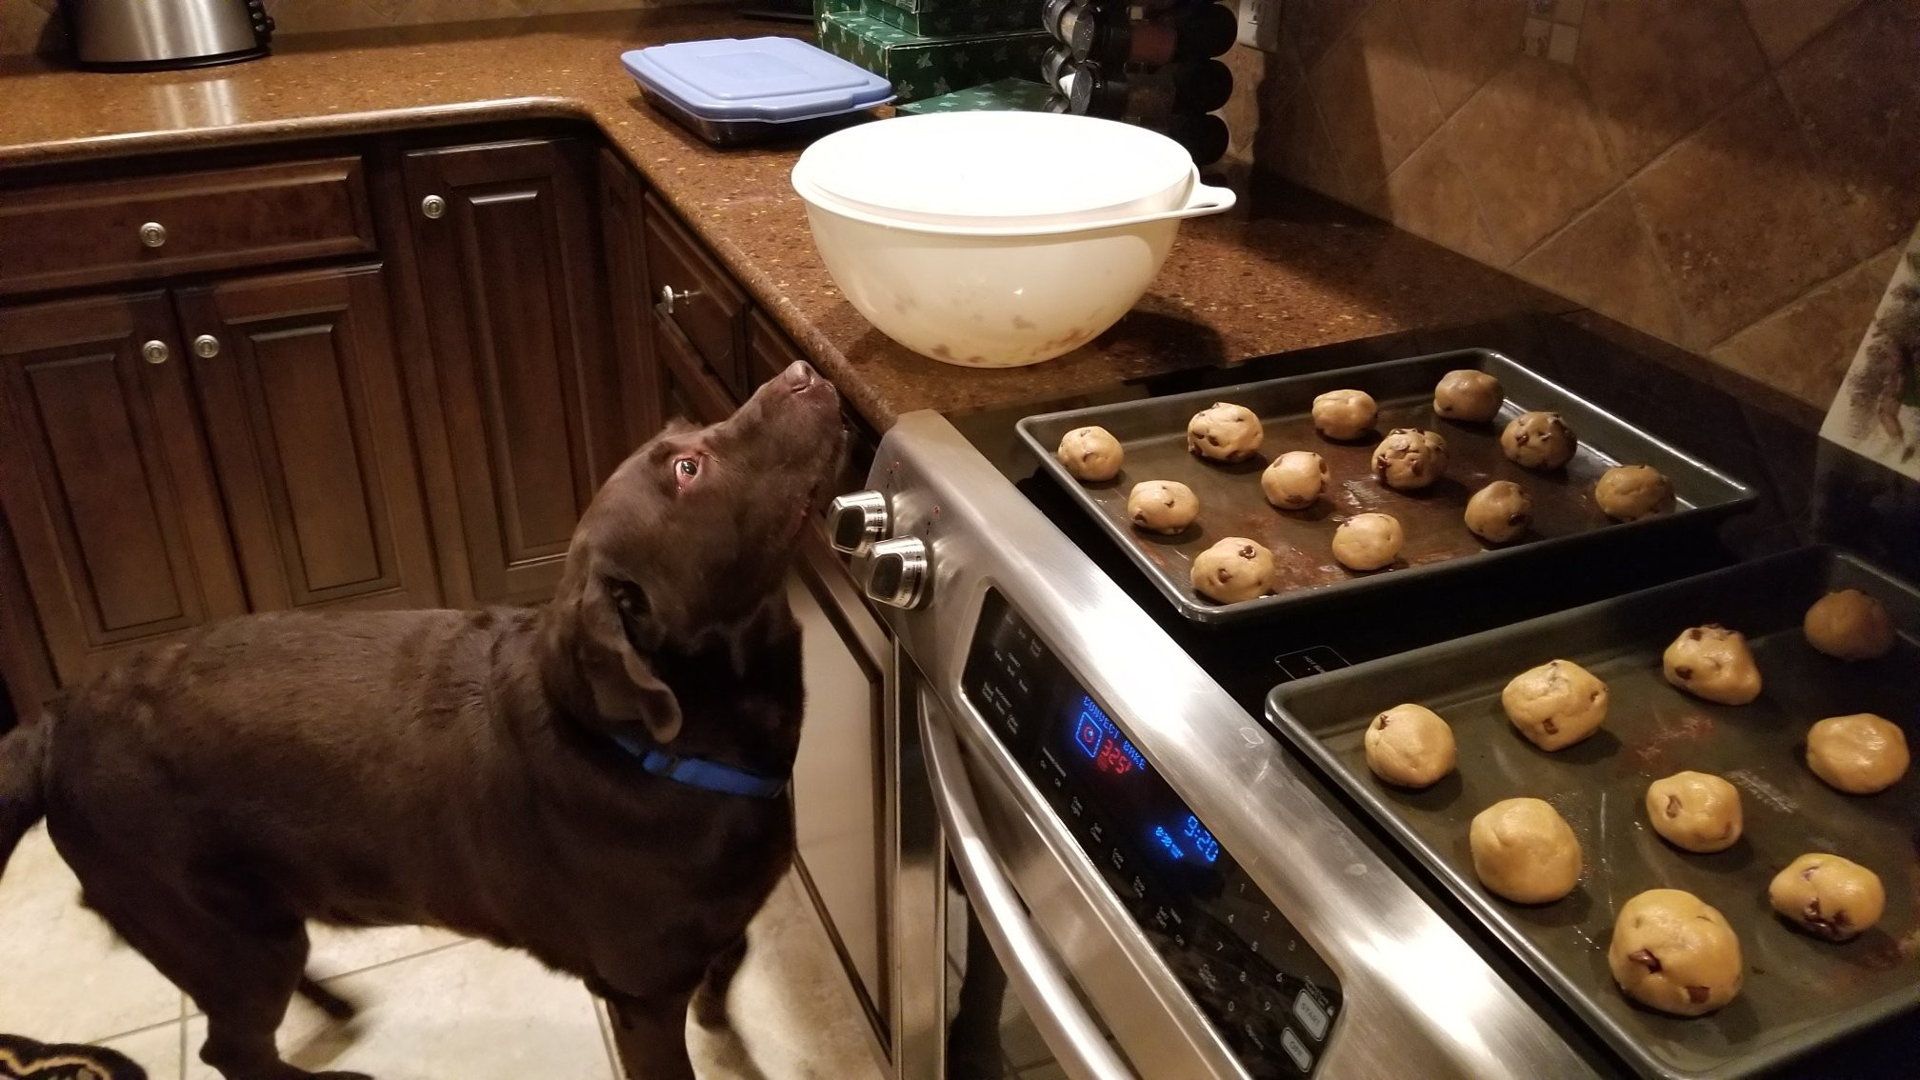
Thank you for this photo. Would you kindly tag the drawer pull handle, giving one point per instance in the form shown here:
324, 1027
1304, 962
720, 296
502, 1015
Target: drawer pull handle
668, 297
434, 207
155, 352
206, 346
153, 234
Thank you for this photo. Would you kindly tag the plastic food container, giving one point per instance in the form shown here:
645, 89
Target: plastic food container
731, 91
990, 258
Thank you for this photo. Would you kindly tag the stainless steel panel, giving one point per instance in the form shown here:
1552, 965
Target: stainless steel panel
1418, 999
1799, 991
1153, 433
150, 31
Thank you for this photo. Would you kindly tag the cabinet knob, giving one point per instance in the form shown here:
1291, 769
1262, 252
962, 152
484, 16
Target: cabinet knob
434, 207
857, 521
155, 352
897, 572
206, 346
669, 297
153, 234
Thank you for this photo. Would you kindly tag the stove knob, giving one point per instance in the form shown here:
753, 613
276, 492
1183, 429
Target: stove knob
858, 521
897, 571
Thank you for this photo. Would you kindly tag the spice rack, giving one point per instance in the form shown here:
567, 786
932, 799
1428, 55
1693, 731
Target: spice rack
1148, 62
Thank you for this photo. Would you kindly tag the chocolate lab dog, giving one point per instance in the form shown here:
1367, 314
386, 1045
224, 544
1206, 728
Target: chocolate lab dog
599, 781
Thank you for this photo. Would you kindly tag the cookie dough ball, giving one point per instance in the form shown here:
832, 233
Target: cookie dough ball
1409, 746
1538, 440
1233, 570
1091, 454
1500, 512
1850, 625
1859, 754
1525, 851
1714, 663
1344, 414
1295, 479
1468, 395
1674, 952
1828, 896
1696, 811
1631, 492
1224, 432
1556, 704
1162, 506
1409, 459
1368, 541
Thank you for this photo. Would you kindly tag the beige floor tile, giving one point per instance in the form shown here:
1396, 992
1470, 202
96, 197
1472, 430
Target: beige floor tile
156, 1050
64, 976
795, 1015
338, 951
472, 1012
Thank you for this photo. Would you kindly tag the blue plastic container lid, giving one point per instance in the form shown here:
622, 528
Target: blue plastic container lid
771, 79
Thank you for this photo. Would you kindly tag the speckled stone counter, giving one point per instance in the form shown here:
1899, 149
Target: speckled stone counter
1284, 271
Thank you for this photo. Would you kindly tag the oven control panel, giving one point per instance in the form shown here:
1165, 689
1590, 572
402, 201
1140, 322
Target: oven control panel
1271, 997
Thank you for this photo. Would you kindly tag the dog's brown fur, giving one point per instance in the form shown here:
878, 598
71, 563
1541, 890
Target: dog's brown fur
456, 768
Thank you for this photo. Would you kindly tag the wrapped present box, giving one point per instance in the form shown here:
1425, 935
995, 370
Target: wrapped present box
921, 66
1007, 95
951, 18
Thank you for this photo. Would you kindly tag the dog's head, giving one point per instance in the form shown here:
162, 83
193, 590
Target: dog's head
686, 546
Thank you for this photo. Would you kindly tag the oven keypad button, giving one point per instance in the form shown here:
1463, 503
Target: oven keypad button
1311, 1015
1296, 1049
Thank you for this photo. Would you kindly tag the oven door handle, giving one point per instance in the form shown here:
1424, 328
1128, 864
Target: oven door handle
1063, 1022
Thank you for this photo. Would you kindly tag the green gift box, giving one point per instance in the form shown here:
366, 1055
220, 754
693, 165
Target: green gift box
969, 17
921, 67
1007, 95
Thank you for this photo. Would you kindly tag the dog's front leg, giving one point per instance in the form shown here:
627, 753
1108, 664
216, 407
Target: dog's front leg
651, 1035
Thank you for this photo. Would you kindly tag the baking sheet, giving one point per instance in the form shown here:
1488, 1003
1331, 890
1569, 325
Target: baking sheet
1799, 991
1153, 434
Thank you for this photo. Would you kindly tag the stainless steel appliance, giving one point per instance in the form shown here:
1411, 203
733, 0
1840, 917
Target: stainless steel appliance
144, 35
1099, 857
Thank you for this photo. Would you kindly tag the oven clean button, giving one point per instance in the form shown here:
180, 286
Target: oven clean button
1311, 1015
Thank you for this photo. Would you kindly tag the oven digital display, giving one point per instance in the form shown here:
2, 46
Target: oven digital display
1268, 993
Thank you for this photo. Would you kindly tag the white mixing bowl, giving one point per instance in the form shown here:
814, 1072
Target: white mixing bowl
1020, 281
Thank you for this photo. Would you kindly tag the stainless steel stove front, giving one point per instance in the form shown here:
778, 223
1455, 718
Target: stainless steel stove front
1415, 998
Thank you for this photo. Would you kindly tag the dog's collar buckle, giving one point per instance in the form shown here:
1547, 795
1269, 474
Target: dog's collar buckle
701, 773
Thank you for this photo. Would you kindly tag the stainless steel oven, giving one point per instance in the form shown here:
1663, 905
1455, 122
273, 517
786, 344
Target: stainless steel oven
1100, 859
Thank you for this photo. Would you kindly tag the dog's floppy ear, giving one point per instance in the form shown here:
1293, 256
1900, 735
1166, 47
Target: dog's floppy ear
622, 681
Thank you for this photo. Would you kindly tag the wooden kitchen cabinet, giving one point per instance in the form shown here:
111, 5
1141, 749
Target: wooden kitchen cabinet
508, 257
107, 489
622, 213
297, 377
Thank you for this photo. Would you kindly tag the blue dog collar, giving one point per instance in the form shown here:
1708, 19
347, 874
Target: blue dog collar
701, 773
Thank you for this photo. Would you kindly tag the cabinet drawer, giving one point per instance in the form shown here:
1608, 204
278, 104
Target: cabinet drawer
708, 308
65, 235
690, 391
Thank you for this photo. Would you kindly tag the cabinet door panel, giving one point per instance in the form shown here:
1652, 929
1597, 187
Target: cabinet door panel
310, 439
511, 277
622, 212
109, 496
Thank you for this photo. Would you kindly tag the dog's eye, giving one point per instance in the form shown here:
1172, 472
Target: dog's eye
685, 468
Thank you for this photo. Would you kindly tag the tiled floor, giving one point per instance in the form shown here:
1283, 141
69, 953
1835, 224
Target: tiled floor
433, 1006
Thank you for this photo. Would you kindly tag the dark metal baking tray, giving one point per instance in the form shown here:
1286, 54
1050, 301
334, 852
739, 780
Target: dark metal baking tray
1153, 433
1799, 992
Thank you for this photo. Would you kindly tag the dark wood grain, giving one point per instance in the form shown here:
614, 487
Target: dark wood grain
692, 392
622, 212
106, 485
713, 314
515, 305
63, 235
311, 440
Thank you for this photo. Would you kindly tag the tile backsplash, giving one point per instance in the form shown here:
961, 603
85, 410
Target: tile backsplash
1734, 176
31, 26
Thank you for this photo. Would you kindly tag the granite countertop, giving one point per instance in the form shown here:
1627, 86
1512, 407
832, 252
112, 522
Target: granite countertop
1284, 271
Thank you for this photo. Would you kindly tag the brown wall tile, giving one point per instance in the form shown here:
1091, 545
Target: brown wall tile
1293, 140
1464, 43
1656, 71
1606, 260
1374, 96
1530, 144
1857, 90
1741, 216
1806, 347
1784, 25
1431, 196
1312, 26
